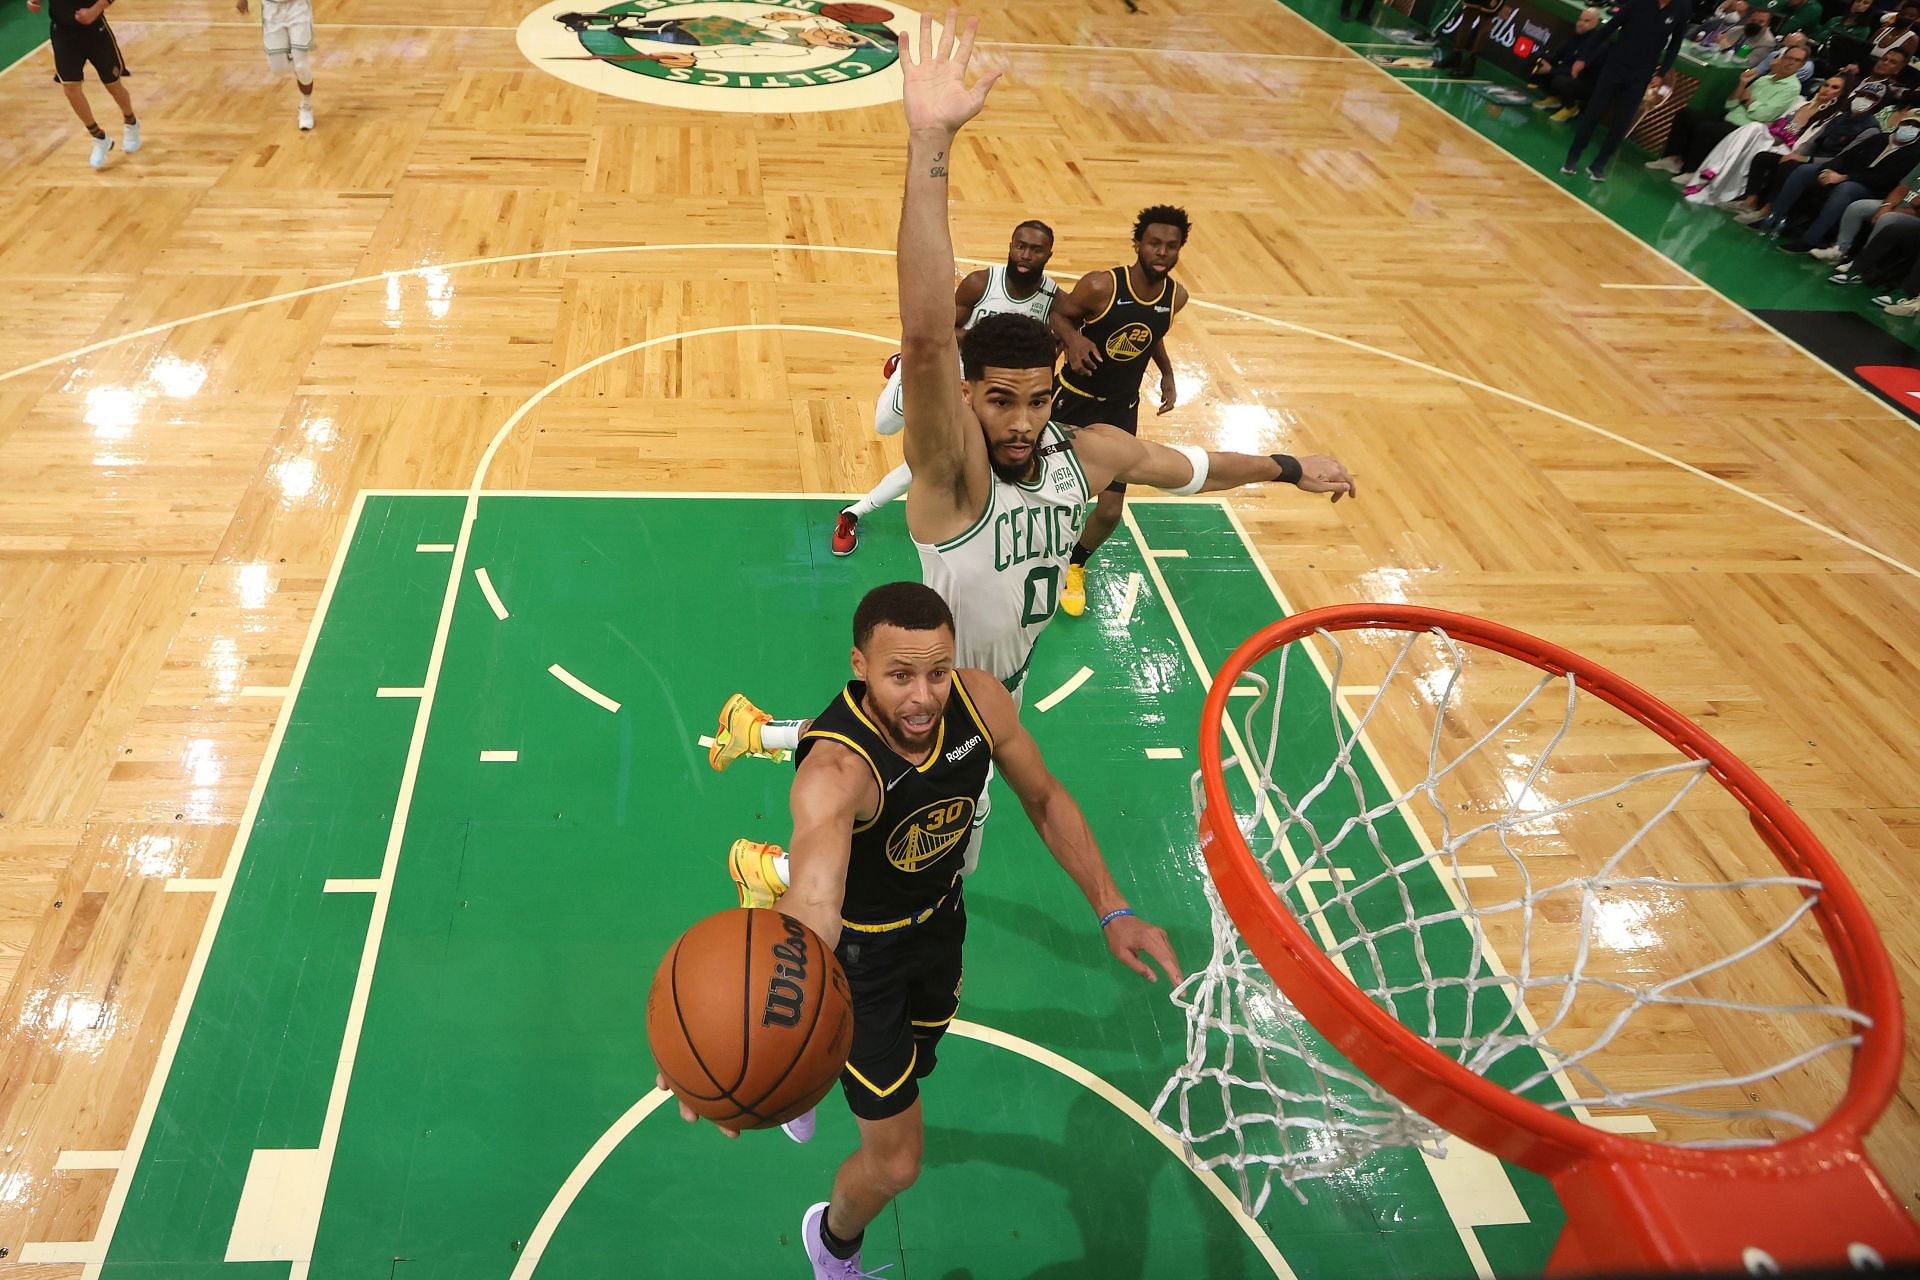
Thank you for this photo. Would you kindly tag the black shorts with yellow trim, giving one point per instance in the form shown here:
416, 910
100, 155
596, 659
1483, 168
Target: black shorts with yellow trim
75, 47
906, 990
1075, 408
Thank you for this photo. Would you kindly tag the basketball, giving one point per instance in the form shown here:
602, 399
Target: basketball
857, 14
749, 1018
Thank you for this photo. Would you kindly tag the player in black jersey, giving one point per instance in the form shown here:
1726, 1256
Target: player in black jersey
79, 34
882, 807
1111, 325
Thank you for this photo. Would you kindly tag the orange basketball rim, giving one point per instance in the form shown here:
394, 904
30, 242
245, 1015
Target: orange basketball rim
1811, 1200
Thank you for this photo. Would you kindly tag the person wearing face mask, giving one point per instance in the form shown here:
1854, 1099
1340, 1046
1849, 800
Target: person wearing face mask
1757, 99
1768, 172
1752, 40
1899, 30
1722, 176
1872, 165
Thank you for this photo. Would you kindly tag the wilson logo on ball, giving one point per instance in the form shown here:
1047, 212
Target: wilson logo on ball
786, 998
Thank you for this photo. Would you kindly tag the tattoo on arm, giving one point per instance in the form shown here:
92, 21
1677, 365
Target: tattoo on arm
939, 169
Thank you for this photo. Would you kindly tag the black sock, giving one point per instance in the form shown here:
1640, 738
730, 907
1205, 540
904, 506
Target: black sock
130, 119
1080, 553
841, 1249
95, 131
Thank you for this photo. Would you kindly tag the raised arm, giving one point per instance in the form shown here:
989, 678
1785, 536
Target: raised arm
1108, 454
943, 441
1063, 829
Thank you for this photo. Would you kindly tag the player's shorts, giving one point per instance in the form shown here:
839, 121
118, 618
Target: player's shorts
1073, 408
906, 989
75, 47
286, 25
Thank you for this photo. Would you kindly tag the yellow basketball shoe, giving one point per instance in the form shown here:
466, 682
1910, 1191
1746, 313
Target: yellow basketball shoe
754, 871
1073, 596
739, 734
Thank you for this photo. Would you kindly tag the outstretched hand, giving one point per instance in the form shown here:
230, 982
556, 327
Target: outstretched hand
937, 96
1321, 474
686, 1112
1129, 936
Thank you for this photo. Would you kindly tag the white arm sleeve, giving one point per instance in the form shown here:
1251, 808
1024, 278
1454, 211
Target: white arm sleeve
1198, 457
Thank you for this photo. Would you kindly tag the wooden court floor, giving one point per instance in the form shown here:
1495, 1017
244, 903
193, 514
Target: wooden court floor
211, 347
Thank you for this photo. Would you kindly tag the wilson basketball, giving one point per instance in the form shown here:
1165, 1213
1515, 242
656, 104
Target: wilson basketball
856, 14
750, 1018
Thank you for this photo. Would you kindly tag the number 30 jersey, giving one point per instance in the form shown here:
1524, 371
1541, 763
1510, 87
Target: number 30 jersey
905, 859
1002, 577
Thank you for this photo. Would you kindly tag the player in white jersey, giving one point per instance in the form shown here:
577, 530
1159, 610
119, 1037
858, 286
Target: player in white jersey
286, 28
1019, 288
998, 495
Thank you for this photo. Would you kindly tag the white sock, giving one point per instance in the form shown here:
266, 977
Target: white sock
782, 735
892, 486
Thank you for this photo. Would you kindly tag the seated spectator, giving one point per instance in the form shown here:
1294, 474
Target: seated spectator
1753, 40
1819, 144
1585, 46
1798, 40
1722, 176
1872, 165
1898, 30
1797, 17
1757, 99
1876, 240
1857, 23
1848, 38
1731, 13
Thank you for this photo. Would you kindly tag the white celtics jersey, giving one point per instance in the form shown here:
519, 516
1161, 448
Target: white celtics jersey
997, 301
1002, 577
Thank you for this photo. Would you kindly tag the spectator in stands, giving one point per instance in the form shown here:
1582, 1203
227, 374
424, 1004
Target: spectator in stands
1752, 40
1798, 40
1585, 45
1899, 30
1856, 23
1722, 176
1757, 99
1876, 239
1731, 13
1647, 35
1872, 165
1796, 17
1769, 171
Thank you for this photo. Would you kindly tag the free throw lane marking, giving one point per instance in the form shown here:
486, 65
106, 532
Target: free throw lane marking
1065, 691
1132, 598
493, 597
499, 757
581, 687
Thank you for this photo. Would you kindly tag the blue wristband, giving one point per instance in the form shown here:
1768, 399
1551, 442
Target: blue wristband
1113, 915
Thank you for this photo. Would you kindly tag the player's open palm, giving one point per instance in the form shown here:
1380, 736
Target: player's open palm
937, 94
1130, 937
1321, 474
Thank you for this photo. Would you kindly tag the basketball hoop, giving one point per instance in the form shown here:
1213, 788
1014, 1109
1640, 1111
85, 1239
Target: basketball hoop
1306, 944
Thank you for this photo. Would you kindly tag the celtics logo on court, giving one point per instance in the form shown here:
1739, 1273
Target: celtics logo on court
929, 833
1129, 343
724, 55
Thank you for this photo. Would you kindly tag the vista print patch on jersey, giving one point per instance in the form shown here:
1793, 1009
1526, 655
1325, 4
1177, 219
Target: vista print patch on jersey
725, 55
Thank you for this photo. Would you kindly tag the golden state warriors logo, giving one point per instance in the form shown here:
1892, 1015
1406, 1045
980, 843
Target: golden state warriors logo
724, 55
1129, 343
928, 834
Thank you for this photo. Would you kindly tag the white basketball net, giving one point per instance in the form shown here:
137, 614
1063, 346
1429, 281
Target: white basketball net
1411, 892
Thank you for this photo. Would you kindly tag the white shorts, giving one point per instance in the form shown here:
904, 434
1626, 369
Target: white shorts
286, 25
